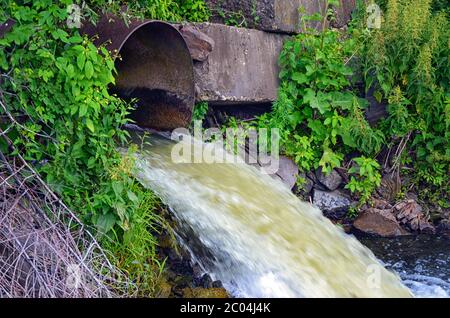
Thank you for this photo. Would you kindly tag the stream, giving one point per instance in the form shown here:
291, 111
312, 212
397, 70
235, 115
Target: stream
421, 261
260, 240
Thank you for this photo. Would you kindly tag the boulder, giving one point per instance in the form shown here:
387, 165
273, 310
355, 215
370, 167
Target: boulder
281, 16
379, 223
409, 213
288, 172
334, 205
242, 68
331, 181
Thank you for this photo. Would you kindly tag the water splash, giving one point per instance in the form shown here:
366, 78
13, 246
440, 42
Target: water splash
422, 262
253, 234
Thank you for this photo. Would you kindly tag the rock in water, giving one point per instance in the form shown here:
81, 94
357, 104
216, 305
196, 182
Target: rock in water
379, 222
288, 172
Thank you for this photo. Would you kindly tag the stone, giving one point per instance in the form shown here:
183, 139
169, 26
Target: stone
200, 45
379, 223
343, 13
334, 205
377, 109
6, 27
390, 187
288, 172
281, 16
242, 68
410, 213
206, 281
331, 181
307, 185
199, 292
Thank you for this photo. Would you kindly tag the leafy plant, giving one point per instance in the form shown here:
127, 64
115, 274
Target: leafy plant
407, 59
319, 115
167, 10
365, 178
200, 111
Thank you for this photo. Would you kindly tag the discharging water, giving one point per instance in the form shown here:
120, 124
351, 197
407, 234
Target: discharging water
250, 232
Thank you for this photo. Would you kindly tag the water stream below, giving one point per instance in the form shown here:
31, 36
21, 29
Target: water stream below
250, 232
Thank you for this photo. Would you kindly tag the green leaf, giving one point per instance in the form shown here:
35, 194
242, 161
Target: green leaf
118, 188
300, 78
81, 59
89, 70
132, 196
106, 222
90, 125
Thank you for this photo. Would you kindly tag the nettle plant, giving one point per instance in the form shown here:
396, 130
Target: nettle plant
321, 119
407, 60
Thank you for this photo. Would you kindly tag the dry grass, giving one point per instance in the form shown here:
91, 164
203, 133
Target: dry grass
45, 250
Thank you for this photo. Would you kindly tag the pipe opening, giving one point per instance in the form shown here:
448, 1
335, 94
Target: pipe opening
155, 67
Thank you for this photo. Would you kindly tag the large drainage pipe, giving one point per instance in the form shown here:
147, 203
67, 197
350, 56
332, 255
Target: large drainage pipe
155, 67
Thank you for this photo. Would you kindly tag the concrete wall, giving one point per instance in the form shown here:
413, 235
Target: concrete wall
268, 15
242, 67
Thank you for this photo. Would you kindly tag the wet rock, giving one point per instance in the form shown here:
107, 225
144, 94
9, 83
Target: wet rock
444, 225
316, 184
164, 290
288, 172
200, 45
334, 205
331, 181
410, 213
217, 284
379, 222
206, 281
205, 293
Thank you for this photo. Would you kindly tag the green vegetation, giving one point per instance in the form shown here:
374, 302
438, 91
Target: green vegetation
54, 91
167, 10
408, 62
321, 112
200, 111
320, 117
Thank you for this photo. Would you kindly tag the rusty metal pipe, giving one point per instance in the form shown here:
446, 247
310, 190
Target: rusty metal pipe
155, 66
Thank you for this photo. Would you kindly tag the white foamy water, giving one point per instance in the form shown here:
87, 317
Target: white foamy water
422, 262
255, 236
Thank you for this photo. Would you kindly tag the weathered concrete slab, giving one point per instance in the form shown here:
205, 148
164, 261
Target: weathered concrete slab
269, 15
242, 67
343, 13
